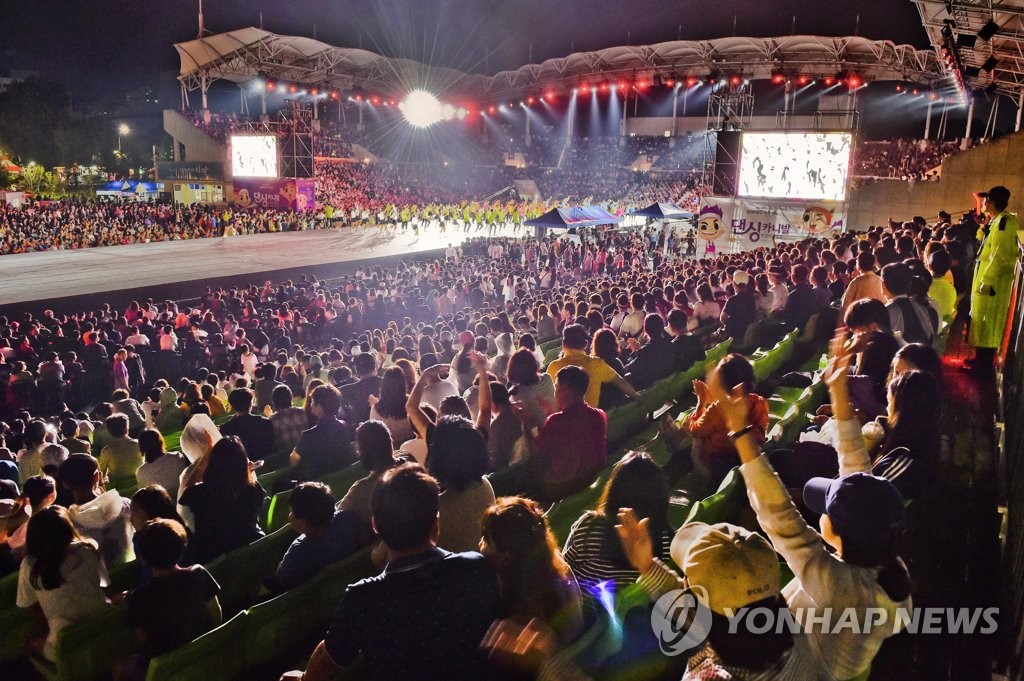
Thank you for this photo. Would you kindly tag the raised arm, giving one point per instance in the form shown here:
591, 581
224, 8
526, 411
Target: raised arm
799, 544
412, 405
484, 402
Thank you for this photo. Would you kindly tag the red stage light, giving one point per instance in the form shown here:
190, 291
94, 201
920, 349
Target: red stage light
584, 89
642, 84
359, 98
899, 88
334, 95
932, 96
491, 109
271, 85
914, 92
314, 92
691, 81
803, 80
293, 89
391, 102
854, 81
735, 80
604, 87
530, 100
778, 79
670, 83
620, 86
829, 80
548, 96
375, 101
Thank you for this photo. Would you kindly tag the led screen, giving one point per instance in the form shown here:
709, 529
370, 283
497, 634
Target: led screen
795, 165
254, 155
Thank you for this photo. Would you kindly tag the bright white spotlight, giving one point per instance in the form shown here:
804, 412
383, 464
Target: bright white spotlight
422, 109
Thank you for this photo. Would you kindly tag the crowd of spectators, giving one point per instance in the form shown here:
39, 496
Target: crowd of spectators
428, 373
82, 223
902, 159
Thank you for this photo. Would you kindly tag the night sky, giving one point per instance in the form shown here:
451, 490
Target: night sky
105, 44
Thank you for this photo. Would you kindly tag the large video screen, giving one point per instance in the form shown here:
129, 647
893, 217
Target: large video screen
254, 155
795, 165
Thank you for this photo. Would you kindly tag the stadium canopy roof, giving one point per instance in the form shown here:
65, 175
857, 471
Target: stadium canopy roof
1005, 44
249, 53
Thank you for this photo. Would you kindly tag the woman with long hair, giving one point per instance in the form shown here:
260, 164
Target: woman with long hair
593, 550
37, 493
61, 576
225, 499
389, 406
535, 580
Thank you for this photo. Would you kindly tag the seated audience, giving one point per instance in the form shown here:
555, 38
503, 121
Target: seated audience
427, 613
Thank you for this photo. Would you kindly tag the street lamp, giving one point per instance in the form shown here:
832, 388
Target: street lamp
122, 129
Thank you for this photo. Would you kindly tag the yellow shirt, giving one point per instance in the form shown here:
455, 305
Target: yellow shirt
598, 370
121, 458
944, 295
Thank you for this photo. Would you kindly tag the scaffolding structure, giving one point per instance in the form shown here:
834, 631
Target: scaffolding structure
293, 126
730, 109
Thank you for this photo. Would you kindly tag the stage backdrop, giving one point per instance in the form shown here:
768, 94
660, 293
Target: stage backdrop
754, 223
286, 194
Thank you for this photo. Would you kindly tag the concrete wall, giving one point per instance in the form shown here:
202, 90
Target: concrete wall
997, 162
198, 145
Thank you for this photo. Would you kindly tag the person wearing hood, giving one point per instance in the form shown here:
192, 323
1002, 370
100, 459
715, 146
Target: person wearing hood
198, 437
171, 417
102, 516
499, 365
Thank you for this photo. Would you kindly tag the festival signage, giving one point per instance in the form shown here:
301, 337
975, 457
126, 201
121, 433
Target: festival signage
759, 223
275, 194
190, 171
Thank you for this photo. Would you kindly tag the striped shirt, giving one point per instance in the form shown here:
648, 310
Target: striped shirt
594, 553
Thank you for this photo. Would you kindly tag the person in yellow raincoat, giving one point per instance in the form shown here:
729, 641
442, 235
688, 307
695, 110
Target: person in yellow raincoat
993, 279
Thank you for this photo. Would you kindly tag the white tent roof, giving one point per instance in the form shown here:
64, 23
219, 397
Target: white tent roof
247, 53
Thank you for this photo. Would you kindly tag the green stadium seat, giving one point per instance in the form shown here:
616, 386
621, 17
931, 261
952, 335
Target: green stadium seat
214, 655
16, 625
721, 507
89, 650
240, 573
280, 624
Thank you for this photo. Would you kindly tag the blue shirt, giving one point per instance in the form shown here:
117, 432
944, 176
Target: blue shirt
307, 556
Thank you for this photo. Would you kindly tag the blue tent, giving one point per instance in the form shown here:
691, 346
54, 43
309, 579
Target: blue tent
577, 216
663, 211
126, 187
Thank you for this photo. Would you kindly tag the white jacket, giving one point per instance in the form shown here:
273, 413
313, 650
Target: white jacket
822, 580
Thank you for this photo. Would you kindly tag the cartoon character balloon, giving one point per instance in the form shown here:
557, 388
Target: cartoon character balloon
710, 223
817, 219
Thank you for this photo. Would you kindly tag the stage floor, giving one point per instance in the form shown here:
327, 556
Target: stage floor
48, 275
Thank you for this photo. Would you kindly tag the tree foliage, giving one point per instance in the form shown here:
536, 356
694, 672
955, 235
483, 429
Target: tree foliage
37, 123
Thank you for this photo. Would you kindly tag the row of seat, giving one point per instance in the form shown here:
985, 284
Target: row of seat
289, 619
241, 571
